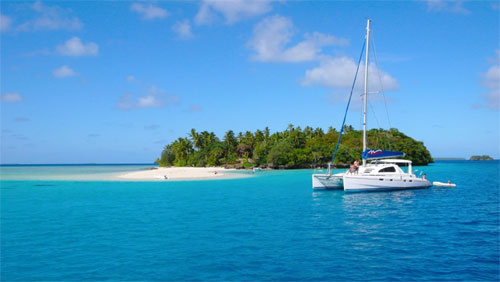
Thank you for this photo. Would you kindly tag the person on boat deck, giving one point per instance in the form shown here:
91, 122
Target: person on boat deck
351, 169
354, 167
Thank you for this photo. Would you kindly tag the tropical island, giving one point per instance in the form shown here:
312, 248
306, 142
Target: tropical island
293, 148
481, 158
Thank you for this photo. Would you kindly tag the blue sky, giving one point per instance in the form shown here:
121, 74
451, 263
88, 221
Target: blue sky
112, 82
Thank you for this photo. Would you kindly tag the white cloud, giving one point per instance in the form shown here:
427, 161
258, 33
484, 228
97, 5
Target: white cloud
63, 71
491, 80
447, 6
11, 97
149, 101
271, 38
153, 98
232, 11
131, 78
149, 11
492, 77
338, 73
183, 29
75, 47
5, 22
50, 18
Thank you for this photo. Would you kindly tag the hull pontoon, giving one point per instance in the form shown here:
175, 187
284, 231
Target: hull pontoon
328, 181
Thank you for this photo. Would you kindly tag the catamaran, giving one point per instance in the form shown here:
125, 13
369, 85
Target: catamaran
384, 171
328, 180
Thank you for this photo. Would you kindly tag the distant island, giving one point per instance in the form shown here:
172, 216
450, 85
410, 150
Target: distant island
293, 148
481, 158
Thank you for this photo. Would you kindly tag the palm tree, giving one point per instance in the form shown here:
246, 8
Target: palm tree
182, 147
196, 137
259, 136
206, 139
266, 132
230, 142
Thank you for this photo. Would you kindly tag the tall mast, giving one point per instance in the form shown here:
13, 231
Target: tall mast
366, 85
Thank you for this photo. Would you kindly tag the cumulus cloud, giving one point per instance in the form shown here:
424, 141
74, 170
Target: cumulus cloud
491, 81
153, 98
447, 6
271, 38
492, 77
63, 71
149, 101
183, 29
338, 73
232, 11
5, 22
75, 47
11, 97
149, 11
50, 18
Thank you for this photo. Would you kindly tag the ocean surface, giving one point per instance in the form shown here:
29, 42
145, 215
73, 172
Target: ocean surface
268, 227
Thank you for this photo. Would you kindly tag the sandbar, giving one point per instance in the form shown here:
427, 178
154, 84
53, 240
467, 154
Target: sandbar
181, 173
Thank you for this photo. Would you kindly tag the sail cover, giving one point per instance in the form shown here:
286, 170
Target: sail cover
370, 154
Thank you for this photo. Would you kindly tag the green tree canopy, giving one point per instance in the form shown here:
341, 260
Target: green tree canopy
292, 148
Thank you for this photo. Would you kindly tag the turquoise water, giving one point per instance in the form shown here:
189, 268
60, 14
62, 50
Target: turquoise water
67, 172
268, 227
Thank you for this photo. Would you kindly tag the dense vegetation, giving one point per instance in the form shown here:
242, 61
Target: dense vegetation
481, 158
292, 148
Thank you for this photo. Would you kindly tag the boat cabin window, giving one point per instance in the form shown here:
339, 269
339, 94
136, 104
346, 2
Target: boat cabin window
388, 169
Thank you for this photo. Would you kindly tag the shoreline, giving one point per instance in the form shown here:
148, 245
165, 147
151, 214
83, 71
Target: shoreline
117, 173
180, 173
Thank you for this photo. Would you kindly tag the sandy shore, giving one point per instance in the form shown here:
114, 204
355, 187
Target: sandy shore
181, 173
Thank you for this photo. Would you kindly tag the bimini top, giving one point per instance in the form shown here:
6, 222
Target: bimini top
372, 154
393, 161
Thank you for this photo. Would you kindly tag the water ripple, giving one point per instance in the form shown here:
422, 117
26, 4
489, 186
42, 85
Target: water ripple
267, 228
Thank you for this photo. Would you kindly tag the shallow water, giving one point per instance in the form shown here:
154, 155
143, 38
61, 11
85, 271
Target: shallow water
268, 227
67, 172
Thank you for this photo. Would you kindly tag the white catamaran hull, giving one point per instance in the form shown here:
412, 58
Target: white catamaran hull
354, 183
328, 181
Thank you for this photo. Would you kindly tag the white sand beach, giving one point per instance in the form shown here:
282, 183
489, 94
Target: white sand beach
181, 173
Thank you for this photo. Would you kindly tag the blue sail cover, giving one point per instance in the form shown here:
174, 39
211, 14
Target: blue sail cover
370, 154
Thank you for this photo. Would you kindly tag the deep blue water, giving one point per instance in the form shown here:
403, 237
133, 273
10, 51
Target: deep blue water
269, 227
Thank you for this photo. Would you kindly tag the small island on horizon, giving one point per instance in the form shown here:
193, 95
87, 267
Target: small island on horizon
481, 158
292, 148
